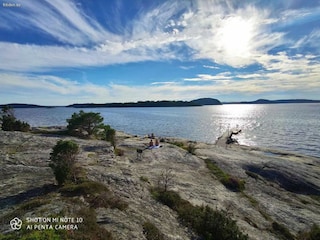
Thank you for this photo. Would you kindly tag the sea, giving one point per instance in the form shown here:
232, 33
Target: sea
289, 127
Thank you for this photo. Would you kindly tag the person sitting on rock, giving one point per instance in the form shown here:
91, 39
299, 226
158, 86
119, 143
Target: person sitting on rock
157, 142
151, 143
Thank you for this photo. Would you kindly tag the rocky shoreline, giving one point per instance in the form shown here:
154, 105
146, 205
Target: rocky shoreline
279, 187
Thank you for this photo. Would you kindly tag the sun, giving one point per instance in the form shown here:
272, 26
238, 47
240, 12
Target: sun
236, 34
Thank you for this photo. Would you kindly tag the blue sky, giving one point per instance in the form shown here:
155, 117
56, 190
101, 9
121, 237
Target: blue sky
62, 52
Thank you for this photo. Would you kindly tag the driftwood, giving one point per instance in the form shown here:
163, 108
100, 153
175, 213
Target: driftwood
230, 139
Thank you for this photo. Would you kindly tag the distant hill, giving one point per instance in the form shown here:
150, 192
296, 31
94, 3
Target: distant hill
206, 101
266, 101
22, 105
197, 102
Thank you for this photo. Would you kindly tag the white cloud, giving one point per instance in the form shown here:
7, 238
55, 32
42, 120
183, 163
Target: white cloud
207, 77
62, 20
211, 67
19, 57
163, 83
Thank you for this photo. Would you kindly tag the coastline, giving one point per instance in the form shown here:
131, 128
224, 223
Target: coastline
279, 186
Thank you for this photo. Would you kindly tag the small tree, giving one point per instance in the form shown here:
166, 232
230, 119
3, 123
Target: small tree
85, 124
109, 135
166, 180
10, 123
63, 157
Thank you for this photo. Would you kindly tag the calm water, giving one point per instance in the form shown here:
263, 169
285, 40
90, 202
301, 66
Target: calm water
291, 127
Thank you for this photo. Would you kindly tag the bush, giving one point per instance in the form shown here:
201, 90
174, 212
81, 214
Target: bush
109, 134
95, 193
85, 124
152, 232
90, 229
63, 157
191, 148
118, 152
144, 179
85, 188
178, 144
165, 180
209, 224
233, 183
10, 123
230, 182
313, 234
281, 231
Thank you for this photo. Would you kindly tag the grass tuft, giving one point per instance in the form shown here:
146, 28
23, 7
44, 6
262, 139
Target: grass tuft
230, 182
281, 231
151, 231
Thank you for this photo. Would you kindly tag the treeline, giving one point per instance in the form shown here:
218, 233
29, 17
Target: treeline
165, 103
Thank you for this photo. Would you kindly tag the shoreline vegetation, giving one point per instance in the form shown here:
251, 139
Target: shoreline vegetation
193, 103
124, 189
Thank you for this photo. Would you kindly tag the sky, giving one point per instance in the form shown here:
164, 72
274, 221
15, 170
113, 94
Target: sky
63, 51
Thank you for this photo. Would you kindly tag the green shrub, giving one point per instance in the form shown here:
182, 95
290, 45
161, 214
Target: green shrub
10, 123
33, 203
90, 229
151, 231
233, 183
312, 234
107, 200
109, 134
178, 144
63, 157
95, 193
230, 182
118, 152
191, 148
144, 179
209, 224
281, 231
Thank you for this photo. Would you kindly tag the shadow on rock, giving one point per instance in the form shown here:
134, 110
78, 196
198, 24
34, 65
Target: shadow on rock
287, 180
35, 192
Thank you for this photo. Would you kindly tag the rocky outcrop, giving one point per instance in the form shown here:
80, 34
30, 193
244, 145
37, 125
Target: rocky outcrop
279, 187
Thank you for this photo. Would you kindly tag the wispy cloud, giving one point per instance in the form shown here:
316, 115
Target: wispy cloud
207, 77
19, 57
163, 83
62, 20
211, 67
215, 30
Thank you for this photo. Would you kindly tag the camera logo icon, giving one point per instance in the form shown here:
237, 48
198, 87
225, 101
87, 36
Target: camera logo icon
16, 223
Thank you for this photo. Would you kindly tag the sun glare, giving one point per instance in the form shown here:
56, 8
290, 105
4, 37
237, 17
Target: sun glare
236, 34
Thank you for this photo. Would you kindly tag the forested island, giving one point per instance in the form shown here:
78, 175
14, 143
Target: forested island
266, 101
197, 102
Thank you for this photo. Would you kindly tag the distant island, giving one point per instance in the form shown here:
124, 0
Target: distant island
164, 103
23, 105
193, 103
266, 101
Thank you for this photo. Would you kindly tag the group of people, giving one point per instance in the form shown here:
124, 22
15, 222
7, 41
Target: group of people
156, 141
